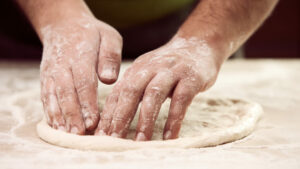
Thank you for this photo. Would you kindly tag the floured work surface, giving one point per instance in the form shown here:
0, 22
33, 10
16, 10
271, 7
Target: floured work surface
273, 144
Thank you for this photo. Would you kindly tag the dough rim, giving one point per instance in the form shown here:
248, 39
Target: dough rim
106, 143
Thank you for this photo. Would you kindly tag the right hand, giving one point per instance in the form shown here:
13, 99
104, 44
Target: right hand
75, 52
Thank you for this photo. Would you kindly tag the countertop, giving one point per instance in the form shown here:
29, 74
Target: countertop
275, 143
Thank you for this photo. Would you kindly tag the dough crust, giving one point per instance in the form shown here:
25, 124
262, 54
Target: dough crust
208, 122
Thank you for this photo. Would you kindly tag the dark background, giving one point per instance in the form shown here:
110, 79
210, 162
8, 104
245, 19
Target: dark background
277, 38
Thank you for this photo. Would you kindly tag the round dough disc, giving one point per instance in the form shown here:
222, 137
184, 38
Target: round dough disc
208, 122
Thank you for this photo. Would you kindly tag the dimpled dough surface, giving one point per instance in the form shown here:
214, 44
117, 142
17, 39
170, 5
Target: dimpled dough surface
208, 122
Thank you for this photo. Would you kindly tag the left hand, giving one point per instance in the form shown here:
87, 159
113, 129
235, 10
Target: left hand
180, 69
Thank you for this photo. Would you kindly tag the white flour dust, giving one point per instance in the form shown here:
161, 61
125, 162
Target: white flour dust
273, 144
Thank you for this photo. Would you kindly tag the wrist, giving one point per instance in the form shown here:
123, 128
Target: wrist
211, 46
212, 39
42, 13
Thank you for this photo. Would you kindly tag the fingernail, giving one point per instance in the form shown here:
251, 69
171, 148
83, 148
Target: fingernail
167, 135
108, 72
88, 122
141, 137
74, 130
61, 128
115, 135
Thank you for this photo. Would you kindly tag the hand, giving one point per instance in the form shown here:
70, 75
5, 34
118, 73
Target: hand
180, 69
75, 52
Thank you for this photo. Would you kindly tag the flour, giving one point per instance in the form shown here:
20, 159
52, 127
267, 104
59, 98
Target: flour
274, 143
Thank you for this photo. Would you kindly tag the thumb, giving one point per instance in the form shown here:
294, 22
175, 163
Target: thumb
109, 59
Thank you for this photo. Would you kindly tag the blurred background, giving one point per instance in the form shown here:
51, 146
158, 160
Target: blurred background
277, 38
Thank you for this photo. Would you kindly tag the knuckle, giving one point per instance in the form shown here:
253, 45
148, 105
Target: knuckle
64, 92
120, 118
83, 86
131, 90
112, 57
66, 95
68, 113
155, 92
72, 114
181, 97
84, 81
148, 120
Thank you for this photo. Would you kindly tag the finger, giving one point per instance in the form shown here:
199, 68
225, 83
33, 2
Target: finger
108, 111
155, 94
181, 99
109, 107
51, 107
109, 58
68, 102
85, 81
128, 101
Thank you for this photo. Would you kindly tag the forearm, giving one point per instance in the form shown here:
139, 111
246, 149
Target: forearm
226, 25
45, 12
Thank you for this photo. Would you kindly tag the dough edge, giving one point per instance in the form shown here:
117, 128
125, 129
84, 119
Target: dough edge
106, 143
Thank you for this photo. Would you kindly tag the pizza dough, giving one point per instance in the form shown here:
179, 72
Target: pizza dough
208, 122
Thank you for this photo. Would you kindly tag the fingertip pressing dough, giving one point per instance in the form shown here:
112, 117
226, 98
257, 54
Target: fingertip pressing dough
208, 122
